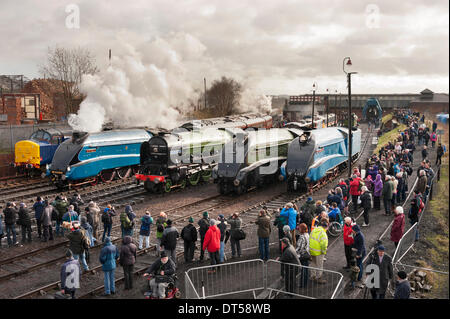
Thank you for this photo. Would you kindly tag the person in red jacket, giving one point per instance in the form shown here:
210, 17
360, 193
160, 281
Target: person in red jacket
398, 226
356, 172
348, 240
212, 242
354, 191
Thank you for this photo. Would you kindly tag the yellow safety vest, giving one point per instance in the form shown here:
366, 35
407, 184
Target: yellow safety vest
318, 242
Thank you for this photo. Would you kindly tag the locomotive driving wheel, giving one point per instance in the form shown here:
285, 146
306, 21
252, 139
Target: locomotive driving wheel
194, 179
122, 172
107, 175
183, 183
206, 175
168, 186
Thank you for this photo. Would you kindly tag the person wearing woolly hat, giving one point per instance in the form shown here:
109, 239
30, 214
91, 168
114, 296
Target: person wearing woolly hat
160, 225
88, 230
163, 266
169, 240
204, 226
78, 243
402, 287
189, 236
212, 242
222, 225
70, 275
144, 231
107, 221
108, 256
25, 222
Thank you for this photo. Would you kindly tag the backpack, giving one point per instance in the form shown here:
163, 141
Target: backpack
105, 218
160, 228
126, 222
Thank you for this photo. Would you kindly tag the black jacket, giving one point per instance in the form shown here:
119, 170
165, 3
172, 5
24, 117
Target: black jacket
127, 252
204, 226
10, 215
158, 266
169, 238
289, 256
78, 242
189, 233
414, 211
223, 229
386, 271
24, 217
306, 218
366, 200
402, 290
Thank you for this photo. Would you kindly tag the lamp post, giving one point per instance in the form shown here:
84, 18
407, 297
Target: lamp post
328, 103
346, 66
314, 99
335, 107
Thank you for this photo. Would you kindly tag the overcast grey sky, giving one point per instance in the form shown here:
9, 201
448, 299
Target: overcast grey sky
276, 46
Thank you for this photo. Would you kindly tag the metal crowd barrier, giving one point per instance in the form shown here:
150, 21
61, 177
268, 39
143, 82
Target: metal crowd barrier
254, 278
408, 239
245, 278
290, 283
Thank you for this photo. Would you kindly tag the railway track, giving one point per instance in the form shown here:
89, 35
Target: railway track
178, 214
122, 193
195, 208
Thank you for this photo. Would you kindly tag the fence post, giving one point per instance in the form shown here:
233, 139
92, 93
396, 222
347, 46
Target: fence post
431, 190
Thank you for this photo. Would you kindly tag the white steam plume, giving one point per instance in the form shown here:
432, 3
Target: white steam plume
146, 86
254, 102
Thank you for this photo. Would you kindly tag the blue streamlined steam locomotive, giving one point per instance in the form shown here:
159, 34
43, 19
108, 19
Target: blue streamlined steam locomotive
372, 111
103, 156
317, 155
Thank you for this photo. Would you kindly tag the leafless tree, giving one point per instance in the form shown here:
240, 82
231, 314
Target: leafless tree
223, 96
68, 66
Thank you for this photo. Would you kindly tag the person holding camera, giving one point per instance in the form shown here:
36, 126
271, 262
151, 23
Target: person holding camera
236, 234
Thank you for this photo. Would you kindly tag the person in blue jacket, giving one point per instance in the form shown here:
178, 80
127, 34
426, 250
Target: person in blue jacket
335, 213
108, 256
291, 214
360, 246
38, 208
